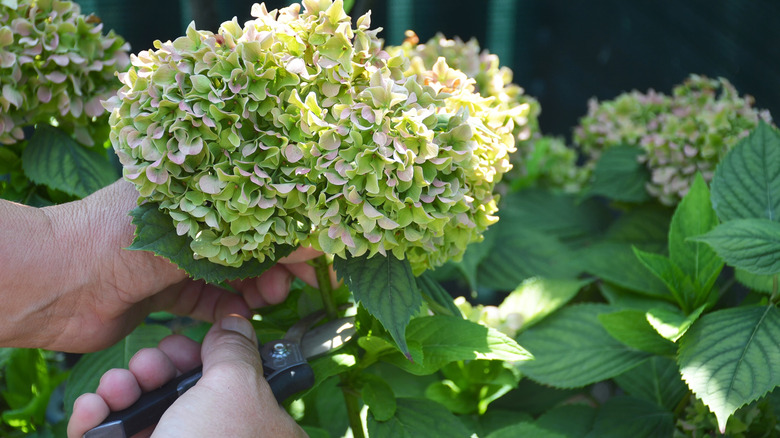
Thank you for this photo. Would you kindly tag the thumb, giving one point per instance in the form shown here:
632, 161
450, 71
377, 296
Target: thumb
231, 346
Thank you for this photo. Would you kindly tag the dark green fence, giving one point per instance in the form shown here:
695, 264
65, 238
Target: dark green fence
562, 52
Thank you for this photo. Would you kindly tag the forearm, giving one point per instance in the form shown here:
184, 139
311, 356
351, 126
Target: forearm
60, 267
33, 271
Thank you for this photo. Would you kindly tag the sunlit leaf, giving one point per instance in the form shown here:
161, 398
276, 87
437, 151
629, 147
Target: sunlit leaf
415, 418
731, 357
746, 184
386, 288
631, 328
572, 349
752, 245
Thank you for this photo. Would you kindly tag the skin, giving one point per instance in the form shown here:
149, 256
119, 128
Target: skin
232, 388
64, 274
67, 284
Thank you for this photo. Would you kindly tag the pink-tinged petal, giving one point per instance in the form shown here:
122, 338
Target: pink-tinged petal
387, 224
261, 173
302, 170
296, 66
56, 77
94, 108
61, 60
405, 175
347, 239
335, 179
156, 173
293, 153
7, 59
284, 188
368, 114
176, 157
182, 228
210, 184
373, 237
370, 211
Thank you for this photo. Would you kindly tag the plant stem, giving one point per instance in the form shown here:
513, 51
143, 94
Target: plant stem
353, 407
322, 271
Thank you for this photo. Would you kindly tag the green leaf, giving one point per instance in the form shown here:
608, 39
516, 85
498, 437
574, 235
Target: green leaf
677, 283
90, 368
731, 357
155, 232
672, 323
758, 283
9, 161
55, 160
29, 382
746, 184
625, 416
631, 328
415, 418
574, 339
386, 288
695, 216
524, 429
520, 254
620, 176
536, 298
657, 380
562, 215
438, 299
752, 245
445, 339
616, 263
379, 397
571, 421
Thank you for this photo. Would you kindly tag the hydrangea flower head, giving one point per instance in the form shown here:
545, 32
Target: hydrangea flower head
297, 128
682, 134
55, 62
538, 160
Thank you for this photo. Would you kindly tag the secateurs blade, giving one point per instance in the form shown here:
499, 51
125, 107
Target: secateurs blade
285, 367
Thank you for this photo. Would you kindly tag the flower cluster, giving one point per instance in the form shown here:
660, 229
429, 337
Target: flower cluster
299, 129
681, 135
55, 63
539, 160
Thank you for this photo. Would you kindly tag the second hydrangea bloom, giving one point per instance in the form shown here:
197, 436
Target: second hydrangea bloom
299, 129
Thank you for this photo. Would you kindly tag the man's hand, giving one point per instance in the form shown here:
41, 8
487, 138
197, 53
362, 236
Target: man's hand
231, 399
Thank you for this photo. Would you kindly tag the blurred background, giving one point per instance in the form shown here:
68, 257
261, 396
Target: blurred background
562, 52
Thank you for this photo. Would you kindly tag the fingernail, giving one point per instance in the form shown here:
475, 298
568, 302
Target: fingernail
239, 325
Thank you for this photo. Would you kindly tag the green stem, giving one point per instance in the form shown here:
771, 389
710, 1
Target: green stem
322, 271
353, 407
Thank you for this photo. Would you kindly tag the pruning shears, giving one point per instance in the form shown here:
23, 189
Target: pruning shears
285, 367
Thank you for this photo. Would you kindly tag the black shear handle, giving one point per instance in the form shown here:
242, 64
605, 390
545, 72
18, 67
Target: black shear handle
152, 405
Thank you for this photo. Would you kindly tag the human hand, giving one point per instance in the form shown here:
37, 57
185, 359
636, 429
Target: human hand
84, 292
231, 399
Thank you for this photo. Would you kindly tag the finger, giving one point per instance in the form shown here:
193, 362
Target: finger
301, 255
183, 352
89, 410
119, 388
306, 272
201, 301
151, 368
232, 342
271, 287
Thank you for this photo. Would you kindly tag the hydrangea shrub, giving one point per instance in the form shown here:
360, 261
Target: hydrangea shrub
682, 134
298, 128
539, 159
55, 63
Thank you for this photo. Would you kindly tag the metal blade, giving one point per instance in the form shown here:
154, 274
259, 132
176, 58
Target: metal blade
327, 337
